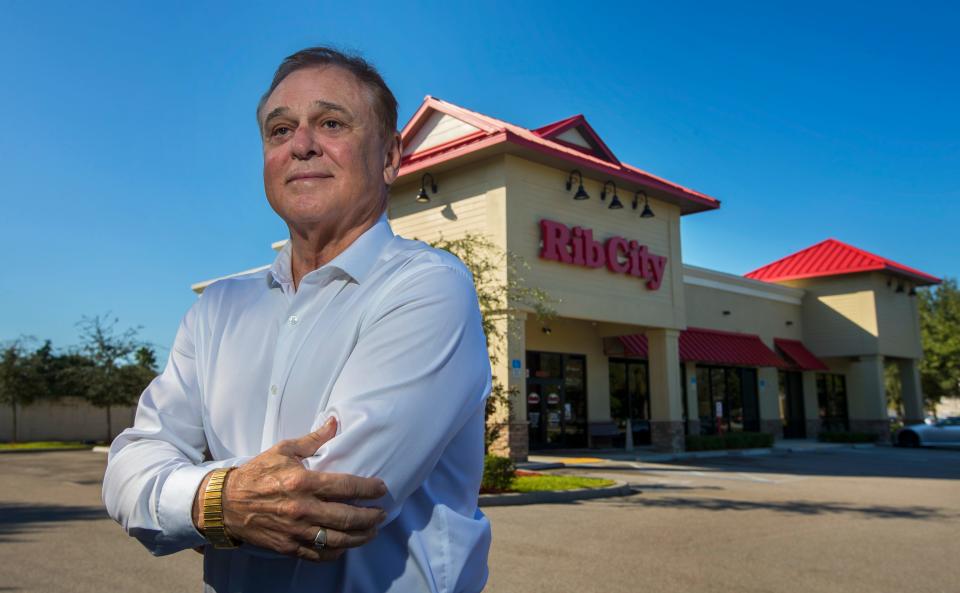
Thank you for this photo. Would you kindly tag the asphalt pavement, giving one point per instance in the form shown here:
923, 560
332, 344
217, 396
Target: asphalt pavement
872, 520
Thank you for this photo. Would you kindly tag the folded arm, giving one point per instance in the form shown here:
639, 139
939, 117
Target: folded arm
419, 372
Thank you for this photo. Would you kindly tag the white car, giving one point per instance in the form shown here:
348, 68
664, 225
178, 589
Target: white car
942, 433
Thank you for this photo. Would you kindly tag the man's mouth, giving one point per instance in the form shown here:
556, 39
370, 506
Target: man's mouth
307, 176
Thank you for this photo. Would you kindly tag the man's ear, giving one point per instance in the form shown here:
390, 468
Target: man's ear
391, 161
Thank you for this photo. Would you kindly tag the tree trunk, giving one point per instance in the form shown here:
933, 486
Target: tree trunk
109, 427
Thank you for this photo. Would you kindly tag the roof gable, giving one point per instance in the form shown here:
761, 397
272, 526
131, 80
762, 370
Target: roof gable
831, 258
576, 133
439, 128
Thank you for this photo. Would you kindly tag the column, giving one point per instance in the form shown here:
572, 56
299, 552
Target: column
911, 391
811, 406
666, 405
768, 394
693, 403
510, 424
867, 398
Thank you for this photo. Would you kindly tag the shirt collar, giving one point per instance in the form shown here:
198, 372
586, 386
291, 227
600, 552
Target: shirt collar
356, 260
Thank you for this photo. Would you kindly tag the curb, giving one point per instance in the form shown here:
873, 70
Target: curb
758, 452
41, 450
553, 496
101, 449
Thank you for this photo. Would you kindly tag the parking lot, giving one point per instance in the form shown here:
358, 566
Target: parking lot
870, 520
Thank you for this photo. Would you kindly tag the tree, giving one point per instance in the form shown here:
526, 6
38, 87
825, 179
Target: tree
22, 378
939, 309
500, 300
120, 366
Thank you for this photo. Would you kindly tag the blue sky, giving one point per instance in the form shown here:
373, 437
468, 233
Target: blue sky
131, 161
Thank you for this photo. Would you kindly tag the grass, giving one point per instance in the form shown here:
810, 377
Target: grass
44, 445
544, 482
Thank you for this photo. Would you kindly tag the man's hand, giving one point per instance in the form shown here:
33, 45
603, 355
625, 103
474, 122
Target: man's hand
274, 502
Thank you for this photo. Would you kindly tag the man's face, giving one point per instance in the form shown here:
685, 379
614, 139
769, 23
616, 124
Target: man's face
325, 161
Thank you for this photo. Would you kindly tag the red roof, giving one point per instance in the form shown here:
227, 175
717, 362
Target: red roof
831, 258
713, 346
598, 160
796, 352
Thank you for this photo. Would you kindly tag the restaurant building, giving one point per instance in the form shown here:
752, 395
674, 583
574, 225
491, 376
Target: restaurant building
645, 349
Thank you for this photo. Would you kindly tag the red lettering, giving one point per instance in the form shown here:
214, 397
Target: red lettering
659, 265
614, 246
578, 246
555, 237
594, 250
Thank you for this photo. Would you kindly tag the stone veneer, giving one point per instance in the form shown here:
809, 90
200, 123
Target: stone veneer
879, 427
667, 435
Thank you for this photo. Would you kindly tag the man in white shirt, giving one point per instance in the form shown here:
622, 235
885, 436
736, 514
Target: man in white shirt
352, 332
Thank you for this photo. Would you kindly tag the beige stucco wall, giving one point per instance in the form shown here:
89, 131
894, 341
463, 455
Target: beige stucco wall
536, 191
760, 308
859, 314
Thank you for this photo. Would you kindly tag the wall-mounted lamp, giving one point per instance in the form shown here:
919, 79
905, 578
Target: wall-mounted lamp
581, 193
615, 202
647, 212
899, 286
546, 330
913, 291
422, 197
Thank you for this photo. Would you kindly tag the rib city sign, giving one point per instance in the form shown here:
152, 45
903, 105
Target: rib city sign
577, 246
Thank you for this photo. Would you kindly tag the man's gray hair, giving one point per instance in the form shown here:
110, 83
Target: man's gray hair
384, 103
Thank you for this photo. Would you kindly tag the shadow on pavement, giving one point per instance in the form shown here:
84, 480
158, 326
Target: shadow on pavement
18, 518
790, 507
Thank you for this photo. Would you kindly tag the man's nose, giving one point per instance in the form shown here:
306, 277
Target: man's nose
304, 144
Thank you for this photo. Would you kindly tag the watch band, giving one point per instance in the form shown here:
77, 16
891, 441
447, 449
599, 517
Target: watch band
213, 527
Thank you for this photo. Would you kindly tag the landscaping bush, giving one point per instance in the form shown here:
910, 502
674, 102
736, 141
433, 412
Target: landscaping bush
497, 473
732, 440
847, 437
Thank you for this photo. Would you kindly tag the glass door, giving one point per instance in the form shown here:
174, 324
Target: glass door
630, 398
556, 400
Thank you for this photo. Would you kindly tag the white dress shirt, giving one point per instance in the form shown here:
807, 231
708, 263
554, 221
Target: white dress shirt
387, 337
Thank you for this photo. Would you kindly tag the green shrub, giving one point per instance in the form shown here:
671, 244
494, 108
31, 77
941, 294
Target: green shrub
497, 473
731, 440
847, 437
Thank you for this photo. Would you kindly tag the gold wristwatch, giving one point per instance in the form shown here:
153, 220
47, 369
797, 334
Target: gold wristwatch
213, 528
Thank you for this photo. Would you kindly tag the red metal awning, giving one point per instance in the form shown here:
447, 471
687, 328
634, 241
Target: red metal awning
797, 353
635, 345
713, 346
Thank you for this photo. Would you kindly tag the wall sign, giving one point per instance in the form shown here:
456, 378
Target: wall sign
577, 246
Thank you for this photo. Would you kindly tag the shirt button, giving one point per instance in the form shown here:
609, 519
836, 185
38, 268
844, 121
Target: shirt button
273, 389
293, 320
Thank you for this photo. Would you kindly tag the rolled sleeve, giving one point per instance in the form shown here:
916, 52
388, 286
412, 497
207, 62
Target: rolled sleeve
155, 467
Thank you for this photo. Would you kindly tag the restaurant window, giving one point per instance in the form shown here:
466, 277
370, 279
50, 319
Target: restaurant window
735, 389
832, 401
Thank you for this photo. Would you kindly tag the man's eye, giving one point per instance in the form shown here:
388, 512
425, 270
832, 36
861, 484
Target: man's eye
280, 131
331, 124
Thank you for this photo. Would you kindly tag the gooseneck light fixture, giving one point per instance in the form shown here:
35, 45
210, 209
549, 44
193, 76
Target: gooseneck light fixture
647, 212
615, 202
422, 197
581, 194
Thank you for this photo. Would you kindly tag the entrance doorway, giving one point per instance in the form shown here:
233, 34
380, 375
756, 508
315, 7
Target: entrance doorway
630, 398
791, 405
557, 400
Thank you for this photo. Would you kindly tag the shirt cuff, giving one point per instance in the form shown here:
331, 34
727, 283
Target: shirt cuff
175, 506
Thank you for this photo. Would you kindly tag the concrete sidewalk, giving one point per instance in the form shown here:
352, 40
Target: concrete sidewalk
609, 458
